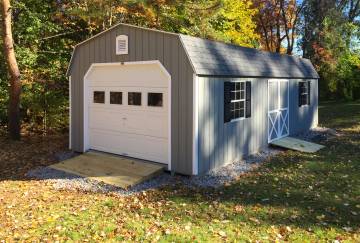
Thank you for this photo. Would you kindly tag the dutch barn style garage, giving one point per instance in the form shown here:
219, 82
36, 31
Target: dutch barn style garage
189, 103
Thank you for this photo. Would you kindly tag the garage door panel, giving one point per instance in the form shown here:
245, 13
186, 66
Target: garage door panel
103, 119
147, 124
132, 145
140, 131
136, 75
155, 125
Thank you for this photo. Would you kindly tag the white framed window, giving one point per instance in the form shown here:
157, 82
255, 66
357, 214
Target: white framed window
238, 100
155, 99
134, 98
116, 98
304, 93
99, 97
122, 45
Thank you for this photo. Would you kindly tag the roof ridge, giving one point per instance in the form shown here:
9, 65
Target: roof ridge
245, 47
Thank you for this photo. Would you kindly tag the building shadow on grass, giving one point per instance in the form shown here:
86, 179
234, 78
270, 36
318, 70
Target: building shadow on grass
303, 190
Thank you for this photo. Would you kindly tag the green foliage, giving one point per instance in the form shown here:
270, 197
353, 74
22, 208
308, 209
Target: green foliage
348, 72
331, 41
338, 59
46, 31
42, 59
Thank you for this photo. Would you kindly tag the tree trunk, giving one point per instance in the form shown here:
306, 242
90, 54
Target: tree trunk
13, 69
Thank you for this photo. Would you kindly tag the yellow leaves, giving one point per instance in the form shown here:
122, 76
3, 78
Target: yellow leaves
121, 9
255, 220
222, 233
239, 208
240, 28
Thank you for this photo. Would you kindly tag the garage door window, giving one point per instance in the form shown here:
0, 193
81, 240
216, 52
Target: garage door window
155, 99
99, 97
116, 98
134, 98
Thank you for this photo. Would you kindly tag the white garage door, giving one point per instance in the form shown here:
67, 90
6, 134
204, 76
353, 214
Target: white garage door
128, 111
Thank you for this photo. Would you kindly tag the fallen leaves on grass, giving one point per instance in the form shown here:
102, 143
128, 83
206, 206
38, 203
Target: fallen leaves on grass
292, 197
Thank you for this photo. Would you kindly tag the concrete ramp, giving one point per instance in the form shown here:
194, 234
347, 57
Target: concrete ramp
297, 144
111, 169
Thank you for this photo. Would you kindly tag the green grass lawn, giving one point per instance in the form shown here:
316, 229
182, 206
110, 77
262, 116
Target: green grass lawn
292, 197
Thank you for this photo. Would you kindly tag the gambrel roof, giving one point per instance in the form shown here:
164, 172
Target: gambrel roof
213, 58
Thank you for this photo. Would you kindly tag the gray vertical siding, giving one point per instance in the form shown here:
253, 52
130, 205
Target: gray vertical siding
221, 143
218, 143
305, 117
143, 45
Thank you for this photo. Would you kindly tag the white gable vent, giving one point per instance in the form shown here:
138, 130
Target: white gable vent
122, 45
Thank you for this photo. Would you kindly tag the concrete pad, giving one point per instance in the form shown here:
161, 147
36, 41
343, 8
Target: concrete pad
297, 144
111, 169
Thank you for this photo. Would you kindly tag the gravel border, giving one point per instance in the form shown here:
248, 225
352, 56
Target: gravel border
214, 179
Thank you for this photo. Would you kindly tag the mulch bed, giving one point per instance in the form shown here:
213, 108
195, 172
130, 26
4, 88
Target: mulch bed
33, 150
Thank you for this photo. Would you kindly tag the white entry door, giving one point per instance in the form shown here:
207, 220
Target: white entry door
278, 109
129, 112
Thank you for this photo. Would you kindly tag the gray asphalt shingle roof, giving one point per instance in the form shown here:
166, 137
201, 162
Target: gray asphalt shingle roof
219, 59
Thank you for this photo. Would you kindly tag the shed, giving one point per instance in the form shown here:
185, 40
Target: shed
189, 103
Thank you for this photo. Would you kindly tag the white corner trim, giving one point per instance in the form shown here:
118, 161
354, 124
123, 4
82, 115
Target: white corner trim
170, 116
86, 142
70, 123
195, 162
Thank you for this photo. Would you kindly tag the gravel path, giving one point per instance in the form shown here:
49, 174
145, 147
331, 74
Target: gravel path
216, 178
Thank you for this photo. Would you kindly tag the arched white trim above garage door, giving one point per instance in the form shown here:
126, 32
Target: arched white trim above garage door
152, 71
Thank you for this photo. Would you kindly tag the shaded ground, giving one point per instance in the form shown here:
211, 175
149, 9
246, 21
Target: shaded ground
292, 197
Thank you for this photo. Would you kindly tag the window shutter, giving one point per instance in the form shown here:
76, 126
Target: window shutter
300, 96
227, 102
248, 99
309, 92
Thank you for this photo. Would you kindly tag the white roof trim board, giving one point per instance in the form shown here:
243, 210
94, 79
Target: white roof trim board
212, 58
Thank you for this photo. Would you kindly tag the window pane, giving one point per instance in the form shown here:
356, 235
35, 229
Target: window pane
116, 98
242, 95
303, 87
155, 99
233, 105
237, 86
232, 87
242, 104
303, 99
234, 114
134, 98
242, 86
242, 113
99, 97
